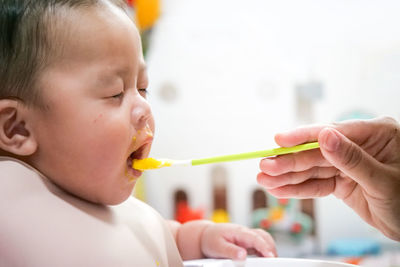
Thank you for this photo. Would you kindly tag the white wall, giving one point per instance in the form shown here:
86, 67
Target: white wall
235, 65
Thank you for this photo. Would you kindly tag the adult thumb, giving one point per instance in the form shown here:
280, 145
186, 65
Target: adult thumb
348, 157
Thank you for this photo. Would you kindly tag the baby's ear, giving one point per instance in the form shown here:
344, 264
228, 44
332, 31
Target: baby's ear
15, 134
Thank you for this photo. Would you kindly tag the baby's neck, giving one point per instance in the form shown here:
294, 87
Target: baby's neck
4, 153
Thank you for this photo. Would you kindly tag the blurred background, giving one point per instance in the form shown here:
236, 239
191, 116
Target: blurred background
227, 75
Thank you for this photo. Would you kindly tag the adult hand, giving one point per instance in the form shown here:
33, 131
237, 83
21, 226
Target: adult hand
358, 161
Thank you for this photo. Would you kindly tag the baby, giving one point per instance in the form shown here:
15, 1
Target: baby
73, 117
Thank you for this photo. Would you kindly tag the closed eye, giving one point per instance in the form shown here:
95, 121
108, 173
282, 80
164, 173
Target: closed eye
117, 96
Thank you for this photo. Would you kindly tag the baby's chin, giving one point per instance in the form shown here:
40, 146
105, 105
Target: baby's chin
111, 199
116, 200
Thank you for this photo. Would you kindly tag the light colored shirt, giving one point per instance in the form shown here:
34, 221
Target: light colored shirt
42, 225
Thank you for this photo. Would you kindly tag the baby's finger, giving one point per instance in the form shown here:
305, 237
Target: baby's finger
308, 189
271, 182
226, 249
293, 162
267, 238
250, 239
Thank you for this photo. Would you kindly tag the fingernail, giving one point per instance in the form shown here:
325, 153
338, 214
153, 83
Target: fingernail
332, 141
270, 255
241, 255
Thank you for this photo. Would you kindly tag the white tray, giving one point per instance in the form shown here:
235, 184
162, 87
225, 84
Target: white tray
265, 262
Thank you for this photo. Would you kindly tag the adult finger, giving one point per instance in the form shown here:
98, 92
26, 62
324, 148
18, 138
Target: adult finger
309, 189
271, 182
299, 135
356, 130
349, 158
295, 162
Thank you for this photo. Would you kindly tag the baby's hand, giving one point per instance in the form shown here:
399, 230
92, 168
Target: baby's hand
225, 240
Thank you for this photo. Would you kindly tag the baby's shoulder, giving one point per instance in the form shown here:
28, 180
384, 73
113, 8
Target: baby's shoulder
138, 212
51, 228
18, 179
13, 167
133, 203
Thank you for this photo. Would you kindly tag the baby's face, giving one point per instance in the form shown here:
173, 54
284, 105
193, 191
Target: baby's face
97, 117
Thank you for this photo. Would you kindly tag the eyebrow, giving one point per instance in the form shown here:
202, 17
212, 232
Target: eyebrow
123, 71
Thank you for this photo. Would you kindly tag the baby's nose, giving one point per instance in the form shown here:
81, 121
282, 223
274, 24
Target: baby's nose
141, 114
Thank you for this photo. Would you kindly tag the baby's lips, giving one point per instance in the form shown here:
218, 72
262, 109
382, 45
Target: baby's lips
149, 139
147, 145
148, 131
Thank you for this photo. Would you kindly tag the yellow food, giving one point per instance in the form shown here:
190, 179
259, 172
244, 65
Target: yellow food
150, 163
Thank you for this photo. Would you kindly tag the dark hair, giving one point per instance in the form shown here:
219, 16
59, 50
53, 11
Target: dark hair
29, 40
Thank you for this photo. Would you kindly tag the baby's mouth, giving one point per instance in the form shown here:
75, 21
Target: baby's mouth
137, 154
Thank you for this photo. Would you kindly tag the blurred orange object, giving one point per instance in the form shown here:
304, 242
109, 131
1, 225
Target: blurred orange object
283, 201
147, 13
184, 213
265, 224
355, 260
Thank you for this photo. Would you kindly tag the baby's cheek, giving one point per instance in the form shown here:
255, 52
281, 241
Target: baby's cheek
113, 132
109, 144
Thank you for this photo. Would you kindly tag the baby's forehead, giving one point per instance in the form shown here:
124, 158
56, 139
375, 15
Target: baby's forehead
94, 34
36, 35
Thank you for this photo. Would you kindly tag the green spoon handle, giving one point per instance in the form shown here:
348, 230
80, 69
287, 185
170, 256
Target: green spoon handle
256, 154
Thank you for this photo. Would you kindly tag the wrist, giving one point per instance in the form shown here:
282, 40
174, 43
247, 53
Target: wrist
189, 238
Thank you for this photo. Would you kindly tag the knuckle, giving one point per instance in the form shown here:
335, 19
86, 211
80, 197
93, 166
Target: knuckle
259, 231
323, 188
389, 123
352, 157
239, 228
335, 124
387, 119
261, 165
314, 172
318, 190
